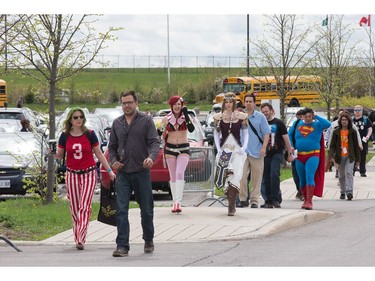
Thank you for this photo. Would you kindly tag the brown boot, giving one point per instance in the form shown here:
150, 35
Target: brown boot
303, 190
309, 195
231, 196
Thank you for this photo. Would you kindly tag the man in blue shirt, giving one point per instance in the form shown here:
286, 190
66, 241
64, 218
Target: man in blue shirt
259, 134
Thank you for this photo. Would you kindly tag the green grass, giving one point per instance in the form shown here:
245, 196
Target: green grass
30, 220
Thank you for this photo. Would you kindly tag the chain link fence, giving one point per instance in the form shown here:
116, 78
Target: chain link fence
134, 62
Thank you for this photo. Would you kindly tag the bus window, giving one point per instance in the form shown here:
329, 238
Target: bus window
256, 87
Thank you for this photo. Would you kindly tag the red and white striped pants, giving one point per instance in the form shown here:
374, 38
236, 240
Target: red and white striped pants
80, 189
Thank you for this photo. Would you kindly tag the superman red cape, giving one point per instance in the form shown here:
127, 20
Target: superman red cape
320, 172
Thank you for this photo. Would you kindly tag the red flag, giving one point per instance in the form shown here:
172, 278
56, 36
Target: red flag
365, 21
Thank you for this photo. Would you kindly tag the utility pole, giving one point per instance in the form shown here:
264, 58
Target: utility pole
169, 68
248, 48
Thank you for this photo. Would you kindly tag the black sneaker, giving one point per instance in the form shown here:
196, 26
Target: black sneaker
299, 196
80, 246
350, 196
363, 175
267, 205
342, 196
242, 204
149, 246
276, 204
120, 252
254, 205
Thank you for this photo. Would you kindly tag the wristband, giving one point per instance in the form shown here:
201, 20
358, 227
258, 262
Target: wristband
109, 170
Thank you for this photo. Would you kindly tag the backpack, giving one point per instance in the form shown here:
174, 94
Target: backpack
88, 134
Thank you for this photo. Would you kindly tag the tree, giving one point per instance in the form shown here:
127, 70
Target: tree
285, 50
369, 62
7, 22
334, 55
57, 46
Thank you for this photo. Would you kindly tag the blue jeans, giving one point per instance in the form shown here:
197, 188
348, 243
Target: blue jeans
140, 183
271, 177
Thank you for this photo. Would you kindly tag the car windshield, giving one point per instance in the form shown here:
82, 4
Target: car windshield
110, 115
11, 115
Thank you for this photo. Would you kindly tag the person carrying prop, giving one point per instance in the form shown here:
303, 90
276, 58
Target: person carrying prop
231, 138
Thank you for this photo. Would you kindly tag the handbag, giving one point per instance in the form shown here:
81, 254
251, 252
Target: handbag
107, 209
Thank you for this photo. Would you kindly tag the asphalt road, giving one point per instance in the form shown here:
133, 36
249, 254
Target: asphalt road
345, 239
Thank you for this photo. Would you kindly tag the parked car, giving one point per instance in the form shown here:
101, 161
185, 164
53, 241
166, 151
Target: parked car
199, 167
208, 127
16, 113
164, 112
10, 125
19, 153
109, 114
99, 125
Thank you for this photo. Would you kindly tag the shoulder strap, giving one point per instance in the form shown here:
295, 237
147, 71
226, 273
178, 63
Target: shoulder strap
255, 131
294, 131
88, 135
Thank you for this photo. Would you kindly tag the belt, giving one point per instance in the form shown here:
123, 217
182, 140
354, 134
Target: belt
178, 150
308, 152
81, 172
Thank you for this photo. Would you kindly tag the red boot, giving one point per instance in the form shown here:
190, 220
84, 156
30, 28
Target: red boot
303, 190
309, 194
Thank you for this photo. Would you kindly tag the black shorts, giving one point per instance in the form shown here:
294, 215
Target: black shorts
175, 150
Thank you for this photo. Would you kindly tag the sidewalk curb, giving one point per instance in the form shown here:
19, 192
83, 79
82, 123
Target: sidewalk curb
293, 221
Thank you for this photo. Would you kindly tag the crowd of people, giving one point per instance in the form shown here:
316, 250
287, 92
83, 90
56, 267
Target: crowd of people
251, 144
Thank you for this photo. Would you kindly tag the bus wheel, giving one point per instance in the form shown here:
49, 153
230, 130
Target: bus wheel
294, 103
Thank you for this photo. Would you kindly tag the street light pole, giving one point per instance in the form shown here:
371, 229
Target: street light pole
169, 69
248, 51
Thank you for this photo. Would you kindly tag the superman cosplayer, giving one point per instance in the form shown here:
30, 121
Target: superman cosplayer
310, 162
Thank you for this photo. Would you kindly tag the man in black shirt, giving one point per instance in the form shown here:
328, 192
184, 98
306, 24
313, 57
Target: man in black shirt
274, 155
365, 130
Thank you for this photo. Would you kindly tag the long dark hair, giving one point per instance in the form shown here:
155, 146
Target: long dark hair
347, 116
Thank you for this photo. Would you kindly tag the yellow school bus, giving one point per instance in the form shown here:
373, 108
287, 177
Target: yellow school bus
3, 93
299, 89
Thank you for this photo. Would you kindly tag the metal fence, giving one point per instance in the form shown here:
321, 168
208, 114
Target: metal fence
199, 173
133, 61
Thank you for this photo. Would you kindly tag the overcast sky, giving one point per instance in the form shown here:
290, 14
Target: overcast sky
197, 35
196, 27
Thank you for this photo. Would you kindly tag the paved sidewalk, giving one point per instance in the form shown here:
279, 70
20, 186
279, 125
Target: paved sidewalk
209, 223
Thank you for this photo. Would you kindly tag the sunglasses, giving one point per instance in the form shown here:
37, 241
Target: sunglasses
76, 117
357, 110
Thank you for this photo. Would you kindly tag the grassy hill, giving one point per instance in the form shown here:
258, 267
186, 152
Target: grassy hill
104, 86
101, 87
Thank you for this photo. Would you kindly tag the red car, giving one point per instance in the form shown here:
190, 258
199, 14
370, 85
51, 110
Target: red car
199, 167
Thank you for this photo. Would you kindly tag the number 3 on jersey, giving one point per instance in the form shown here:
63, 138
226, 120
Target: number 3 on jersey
77, 147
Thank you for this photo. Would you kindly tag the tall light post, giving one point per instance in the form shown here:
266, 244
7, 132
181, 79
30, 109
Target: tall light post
248, 49
169, 68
